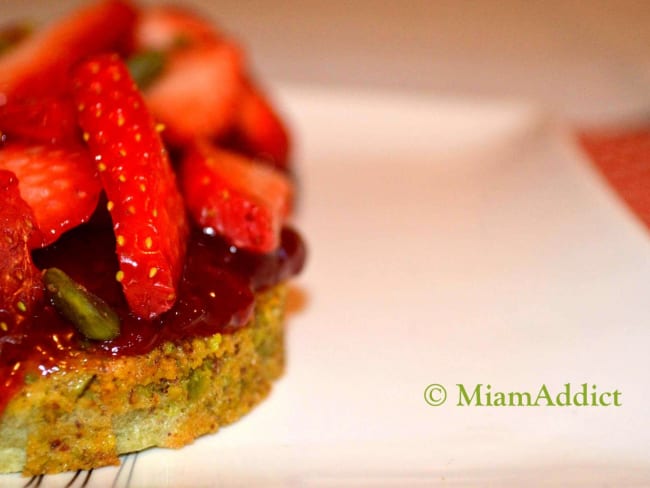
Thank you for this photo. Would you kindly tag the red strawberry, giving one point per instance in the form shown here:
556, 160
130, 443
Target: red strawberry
20, 281
47, 119
235, 196
60, 184
40, 64
260, 130
146, 206
198, 92
162, 28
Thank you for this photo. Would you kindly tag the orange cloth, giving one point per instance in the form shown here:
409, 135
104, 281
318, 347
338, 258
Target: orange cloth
624, 159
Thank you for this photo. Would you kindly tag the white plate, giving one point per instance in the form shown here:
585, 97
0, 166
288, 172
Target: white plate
450, 242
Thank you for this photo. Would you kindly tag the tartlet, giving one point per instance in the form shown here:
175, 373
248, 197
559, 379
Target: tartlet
145, 245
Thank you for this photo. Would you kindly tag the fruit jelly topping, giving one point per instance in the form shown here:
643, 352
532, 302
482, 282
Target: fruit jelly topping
216, 295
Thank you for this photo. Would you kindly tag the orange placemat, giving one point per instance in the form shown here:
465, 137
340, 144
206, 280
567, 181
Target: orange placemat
623, 157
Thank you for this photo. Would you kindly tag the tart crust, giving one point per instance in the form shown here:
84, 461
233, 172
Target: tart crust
95, 408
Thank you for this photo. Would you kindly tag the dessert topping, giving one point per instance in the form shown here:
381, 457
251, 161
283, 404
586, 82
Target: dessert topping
259, 130
146, 66
166, 27
91, 315
39, 65
46, 120
20, 281
146, 207
59, 183
197, 94
73, 126
235, 196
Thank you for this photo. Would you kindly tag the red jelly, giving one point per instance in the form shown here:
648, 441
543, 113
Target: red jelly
216, 295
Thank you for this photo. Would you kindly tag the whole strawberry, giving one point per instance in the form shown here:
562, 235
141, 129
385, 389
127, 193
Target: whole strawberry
146, 207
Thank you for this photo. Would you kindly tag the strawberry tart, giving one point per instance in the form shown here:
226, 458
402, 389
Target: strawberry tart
145, 246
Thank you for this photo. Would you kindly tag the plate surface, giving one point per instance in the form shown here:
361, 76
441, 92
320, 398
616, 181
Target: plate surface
451, 242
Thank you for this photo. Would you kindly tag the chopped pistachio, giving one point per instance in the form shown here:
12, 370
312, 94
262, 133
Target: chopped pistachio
91, 315
145, 67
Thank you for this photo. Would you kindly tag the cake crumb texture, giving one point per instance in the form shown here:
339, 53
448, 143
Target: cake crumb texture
96, 408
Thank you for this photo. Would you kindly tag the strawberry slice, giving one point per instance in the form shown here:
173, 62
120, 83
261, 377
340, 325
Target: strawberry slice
198, 92
40, 64
235, 196
260, 131
20, 281
161, 28
146, 206
46, 120
59, 183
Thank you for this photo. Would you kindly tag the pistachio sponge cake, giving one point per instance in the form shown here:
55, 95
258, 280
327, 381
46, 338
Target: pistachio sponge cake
93, 410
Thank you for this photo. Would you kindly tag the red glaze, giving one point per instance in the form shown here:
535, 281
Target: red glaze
216, 294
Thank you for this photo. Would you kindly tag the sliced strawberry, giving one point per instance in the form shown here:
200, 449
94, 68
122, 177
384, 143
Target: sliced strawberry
161, 28
198, 92
260, 130
235, 196
146, 206
40, 64
59, 183
46, 119
20, 281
